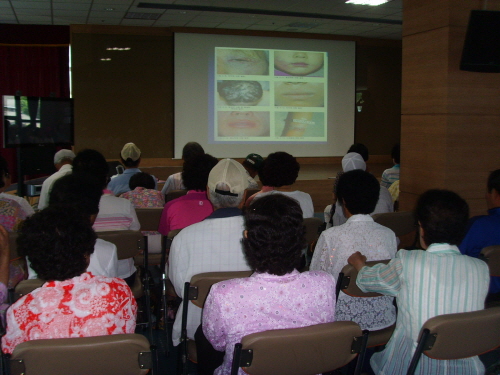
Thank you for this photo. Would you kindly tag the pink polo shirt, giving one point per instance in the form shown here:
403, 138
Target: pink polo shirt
184, 211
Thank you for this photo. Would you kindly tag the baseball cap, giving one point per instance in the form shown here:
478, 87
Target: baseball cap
131, 151
255, 160
231, 173
63, 154
352, 161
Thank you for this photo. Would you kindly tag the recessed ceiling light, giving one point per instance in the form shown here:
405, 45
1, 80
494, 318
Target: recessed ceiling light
106, 59
367, 2
109, 9
182, 12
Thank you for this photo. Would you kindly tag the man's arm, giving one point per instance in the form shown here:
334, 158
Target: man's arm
178, 265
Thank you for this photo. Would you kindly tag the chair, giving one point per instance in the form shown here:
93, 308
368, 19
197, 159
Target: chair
402, 224
455, 336
312, 225
26, 286
150, 221
124, 354
174, 194
196, 291
301, 351
347, 283
13, 245
491, 255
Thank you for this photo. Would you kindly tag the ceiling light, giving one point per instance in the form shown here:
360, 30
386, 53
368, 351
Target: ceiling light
367, 2
106, 59
109, 9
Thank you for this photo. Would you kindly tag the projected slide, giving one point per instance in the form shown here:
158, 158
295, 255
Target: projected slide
269, 95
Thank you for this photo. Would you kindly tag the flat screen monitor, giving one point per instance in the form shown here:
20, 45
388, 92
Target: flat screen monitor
35, 121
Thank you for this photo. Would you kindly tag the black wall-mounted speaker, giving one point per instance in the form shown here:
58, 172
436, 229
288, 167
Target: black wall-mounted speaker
481, 51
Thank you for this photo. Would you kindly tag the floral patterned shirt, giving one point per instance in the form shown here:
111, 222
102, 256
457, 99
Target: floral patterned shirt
238, 307
145, 198
83, 306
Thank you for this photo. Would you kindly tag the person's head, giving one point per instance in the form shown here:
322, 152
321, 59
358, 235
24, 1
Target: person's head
253, 164
58, 241
226, 184
395, 153
196, 170
298, 63
242, 61
191, 149
493, 190
92, 162
141, 179
274, 235
63, 157
80, 190
299, 94
240, 92
243, 124
279, 169
353, 161
130, 155
442, 216
4, 174
360, 149
358, 192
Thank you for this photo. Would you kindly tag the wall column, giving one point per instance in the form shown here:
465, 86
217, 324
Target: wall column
450, 122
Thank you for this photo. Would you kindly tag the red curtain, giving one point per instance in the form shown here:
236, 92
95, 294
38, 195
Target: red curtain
32, 71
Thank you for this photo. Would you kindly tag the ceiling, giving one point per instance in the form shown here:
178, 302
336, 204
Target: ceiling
307, 16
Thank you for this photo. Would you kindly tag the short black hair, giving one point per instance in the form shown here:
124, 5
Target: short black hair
191, 149
360, 149
57, 241
91, 162
359, 191
279, 169
129, 163
196, 170
395, 153
4, 170
443, 215
141, 179
275, 234
494, 181
80, 190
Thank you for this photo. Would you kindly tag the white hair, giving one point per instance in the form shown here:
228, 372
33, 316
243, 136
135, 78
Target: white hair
224, 201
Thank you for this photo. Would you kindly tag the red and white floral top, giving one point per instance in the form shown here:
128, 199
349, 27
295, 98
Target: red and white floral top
83, 306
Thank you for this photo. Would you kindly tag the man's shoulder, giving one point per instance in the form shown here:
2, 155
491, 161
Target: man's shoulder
223, 223
103, 245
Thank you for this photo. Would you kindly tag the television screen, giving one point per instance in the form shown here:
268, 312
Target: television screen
30, 121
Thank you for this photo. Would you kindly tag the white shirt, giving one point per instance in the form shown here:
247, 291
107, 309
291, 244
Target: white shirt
384, 205
47, 185
103, 261
117, 214
376, 242
209, 246
174, 182
304, 199
21, 201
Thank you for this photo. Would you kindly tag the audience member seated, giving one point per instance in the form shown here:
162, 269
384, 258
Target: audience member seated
392, 174
252, 164
144, 195
130, 158
114, 213
276, 296
13, 210
280, 170
174, 181
213, 244
484, 230
426, 283
83, 192
350, 162
72, 303
4, 273
194, 206
358, 193
62, 161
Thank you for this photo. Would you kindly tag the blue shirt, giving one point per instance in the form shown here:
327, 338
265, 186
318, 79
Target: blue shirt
483, 231
119, 184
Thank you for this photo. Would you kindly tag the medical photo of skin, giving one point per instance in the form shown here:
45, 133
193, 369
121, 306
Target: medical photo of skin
299, 124
243, 93
298, 63
299, 94
242, 61
243, 124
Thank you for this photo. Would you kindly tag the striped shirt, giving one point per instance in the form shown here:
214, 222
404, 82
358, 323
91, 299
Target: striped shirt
389, 176
427, 283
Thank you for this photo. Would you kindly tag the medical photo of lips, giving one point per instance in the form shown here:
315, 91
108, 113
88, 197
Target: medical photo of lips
243, 124
299, 94
242, 61
298, 63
